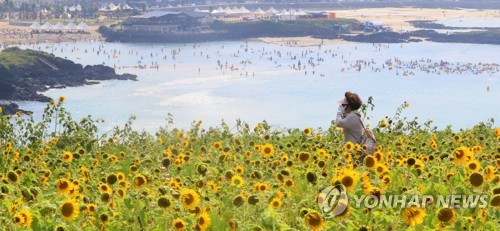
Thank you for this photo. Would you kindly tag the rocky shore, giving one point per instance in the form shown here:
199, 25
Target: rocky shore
26, 73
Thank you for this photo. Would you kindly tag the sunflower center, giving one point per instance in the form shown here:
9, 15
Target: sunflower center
314, 220
476, 179
370, 162
64, 185
189, 199
445, 215
179, 225
347, 181
67, 210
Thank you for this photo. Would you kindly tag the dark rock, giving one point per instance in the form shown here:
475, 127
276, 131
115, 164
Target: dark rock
12, 108
41, 71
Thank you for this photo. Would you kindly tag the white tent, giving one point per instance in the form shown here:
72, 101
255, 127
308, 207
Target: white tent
219, 10
82, 26
47, 26
127, 7
58, 26
112, 7
244, 10
272, 11
71, 26
285, 12
259, 11
301, 12
35, 26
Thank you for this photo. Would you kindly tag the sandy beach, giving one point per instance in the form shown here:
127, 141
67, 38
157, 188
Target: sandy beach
398, 18
15, 35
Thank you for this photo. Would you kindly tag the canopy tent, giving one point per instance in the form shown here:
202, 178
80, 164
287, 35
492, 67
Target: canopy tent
259, 11
244, 10
47, 26
127, 7
58, 26
219, 10
82, 26
71, 26
301, 12
272, 11
285, 12
36, 26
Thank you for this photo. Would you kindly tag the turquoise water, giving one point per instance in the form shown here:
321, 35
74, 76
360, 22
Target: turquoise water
192, 86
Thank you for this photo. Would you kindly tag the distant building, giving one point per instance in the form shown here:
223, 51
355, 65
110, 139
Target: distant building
164, 22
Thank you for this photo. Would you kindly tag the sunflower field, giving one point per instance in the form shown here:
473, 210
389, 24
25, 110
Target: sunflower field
62, 174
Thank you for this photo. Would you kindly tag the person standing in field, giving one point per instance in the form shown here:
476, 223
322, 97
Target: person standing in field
349, 119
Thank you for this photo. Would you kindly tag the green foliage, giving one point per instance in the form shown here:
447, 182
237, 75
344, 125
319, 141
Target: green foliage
174, 159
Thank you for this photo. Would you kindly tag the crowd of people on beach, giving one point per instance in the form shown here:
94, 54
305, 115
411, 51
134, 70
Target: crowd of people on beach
303, 59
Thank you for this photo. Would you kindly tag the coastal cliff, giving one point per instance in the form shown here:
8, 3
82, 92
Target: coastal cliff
25, 73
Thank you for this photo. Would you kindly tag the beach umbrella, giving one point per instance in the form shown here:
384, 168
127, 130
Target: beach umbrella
47, 26
35, 26
82, 26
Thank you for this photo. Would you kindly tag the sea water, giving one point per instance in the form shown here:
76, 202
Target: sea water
259, 83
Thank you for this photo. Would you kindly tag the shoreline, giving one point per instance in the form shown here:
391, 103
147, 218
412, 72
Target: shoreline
397, 18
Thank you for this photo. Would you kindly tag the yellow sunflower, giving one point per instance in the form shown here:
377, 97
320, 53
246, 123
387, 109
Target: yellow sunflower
91, 208
27, 217
64, 186
140, 181
67, 156
413, 215
179, 224
237, 181
189, 198
307, 131
69, 209
462, 155
370, 162
489, 173
204, 221
104, 188
275, 203
347, 177
315, 221
18, 219
304, 157
446, 215
474, 166
267, 150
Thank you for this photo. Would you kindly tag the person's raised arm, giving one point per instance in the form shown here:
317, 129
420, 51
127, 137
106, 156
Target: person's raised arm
341, 121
